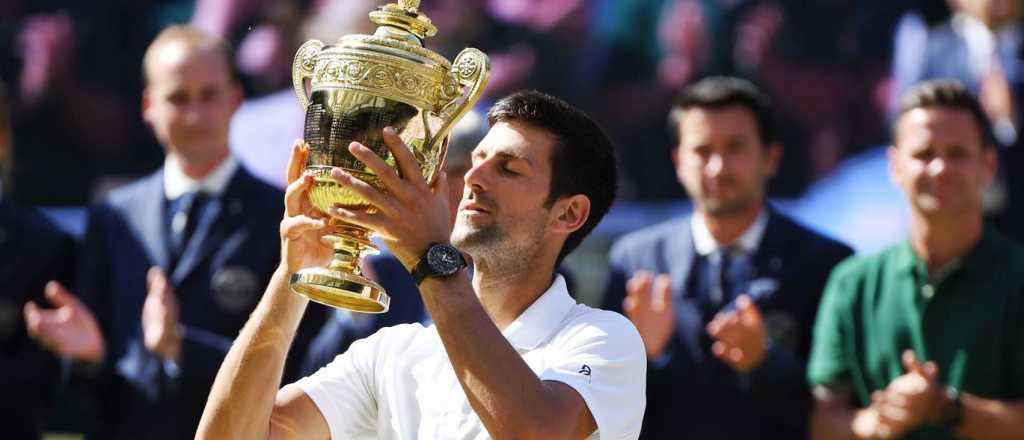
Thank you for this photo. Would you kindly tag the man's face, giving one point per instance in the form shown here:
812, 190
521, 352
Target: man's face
720, 160
190, 100
992, 12
502, 210
939, 163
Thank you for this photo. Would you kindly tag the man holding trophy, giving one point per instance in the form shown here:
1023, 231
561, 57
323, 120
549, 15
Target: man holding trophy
510, 354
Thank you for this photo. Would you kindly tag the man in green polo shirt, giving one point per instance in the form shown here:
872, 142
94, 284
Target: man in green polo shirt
926, 339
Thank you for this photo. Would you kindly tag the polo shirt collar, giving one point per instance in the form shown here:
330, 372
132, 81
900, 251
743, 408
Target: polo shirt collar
542, 318
907, 261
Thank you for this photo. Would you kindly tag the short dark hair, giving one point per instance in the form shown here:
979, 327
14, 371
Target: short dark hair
945, 93
719, 92
582, 160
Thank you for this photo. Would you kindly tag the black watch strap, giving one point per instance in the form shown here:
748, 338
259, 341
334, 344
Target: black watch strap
440, 260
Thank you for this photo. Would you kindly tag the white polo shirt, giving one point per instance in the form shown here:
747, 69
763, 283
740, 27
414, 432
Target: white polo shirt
399, 384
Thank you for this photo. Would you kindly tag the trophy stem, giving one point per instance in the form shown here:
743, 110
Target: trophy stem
341, 284
351, 243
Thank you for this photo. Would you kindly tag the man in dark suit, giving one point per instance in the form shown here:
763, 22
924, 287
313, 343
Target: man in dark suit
173, 264
32, 252
725, 298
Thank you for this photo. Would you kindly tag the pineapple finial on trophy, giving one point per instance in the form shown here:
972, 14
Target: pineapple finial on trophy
357, 86
405, 16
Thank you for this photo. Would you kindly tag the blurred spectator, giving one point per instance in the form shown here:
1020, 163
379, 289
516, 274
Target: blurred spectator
188, 248
723, 299
32, 251
75, 86
264, 127
981, 46
924, 340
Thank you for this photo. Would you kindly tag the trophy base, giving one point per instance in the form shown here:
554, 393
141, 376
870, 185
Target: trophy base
341, 290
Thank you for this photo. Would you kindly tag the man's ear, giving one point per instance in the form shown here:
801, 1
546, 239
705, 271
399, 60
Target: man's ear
146, 104
570, 213
773, 158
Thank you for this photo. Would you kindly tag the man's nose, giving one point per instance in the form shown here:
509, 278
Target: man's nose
715, 165
937, 166
476, 177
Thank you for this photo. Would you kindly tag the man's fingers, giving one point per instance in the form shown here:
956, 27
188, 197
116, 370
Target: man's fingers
293, 227
359, 218
293, 195
387, 175
639, 284
661, 299
719, 349
404, 158
59, 296
156, 281
931, 371
32, 318
910, 362
297, 160
363, 189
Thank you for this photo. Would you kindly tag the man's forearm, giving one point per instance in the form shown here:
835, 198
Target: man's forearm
242, 397
832, 420
986, 419
507, 396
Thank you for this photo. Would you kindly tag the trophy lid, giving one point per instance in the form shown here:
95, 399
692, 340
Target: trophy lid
405, 16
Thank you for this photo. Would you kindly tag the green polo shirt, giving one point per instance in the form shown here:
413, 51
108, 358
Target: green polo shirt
969, 320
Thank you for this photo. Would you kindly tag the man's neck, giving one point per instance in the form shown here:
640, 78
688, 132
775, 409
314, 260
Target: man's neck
727, 229
198, 168
939, 240
506, 289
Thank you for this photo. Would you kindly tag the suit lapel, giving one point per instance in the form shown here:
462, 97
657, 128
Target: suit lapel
679, 258
220, 216
147, 219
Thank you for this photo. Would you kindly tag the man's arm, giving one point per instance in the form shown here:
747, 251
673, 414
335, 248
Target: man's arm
244, 402
509, 398
833, 418
511, 401
988, 419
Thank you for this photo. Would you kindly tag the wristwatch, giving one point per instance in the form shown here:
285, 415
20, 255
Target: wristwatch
953, 414
440, 260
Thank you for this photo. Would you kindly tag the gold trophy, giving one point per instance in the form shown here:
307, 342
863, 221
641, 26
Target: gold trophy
359, 85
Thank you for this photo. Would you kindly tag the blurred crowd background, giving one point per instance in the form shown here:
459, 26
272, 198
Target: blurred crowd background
833, 68
72, 83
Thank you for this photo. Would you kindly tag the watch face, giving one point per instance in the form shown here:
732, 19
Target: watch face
444, 259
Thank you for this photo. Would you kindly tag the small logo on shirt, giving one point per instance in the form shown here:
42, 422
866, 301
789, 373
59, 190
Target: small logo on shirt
585, 370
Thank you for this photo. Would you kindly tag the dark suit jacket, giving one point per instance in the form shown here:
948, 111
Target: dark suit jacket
218, 280
32, 252
690, 393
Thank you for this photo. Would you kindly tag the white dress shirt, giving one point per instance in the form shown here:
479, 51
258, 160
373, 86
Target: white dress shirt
745, 246
213, 184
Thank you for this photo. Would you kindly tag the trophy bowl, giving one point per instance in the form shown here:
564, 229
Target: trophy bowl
359, 85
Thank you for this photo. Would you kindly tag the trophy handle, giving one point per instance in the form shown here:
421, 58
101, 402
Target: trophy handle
302, 68
471, 70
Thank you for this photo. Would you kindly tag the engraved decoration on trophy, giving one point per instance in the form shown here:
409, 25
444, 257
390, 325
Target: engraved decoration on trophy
359, 85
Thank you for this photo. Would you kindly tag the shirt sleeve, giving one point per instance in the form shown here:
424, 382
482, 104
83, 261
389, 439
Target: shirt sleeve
829, 361
603, 359
345, 390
